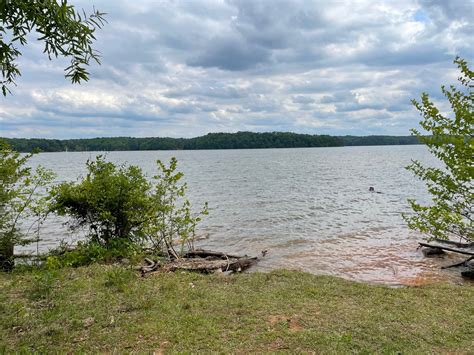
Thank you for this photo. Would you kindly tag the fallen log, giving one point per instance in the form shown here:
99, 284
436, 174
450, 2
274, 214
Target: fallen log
201, 253
455, 250
199, 260
210, 266
457, 244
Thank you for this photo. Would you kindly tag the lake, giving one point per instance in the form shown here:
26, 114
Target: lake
310, 208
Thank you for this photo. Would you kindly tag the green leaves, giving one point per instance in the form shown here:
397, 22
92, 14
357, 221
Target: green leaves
119, 203
20, 196
64, 31
451, 141
111, 201
171, 221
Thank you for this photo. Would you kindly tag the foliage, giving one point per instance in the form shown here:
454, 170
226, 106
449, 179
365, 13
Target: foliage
451, 141
20, 195
111, 201
239, 140
124, 211
88, 252
171, 220
64, 31
379, 140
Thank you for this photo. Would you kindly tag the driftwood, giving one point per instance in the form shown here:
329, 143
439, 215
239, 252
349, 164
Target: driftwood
200, 260
462, 263
209, 266
149, 267
201, 253
457, 244
460, 250
455, 250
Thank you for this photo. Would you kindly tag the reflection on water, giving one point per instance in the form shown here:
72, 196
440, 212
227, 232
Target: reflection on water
310, 208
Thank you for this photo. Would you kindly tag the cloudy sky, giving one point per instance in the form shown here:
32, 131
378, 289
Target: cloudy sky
186, 68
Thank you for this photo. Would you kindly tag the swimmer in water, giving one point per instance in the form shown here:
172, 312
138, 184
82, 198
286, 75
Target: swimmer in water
371, 189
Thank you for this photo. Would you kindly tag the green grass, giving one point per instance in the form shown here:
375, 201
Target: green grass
106, 308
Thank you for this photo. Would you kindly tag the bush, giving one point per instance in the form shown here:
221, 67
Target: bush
111, 202
124, 211
20, 197
171, 221
88, 252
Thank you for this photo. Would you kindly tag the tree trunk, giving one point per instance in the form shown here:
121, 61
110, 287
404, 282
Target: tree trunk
6, 256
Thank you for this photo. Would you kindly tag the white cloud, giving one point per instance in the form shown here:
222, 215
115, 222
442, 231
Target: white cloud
182, 68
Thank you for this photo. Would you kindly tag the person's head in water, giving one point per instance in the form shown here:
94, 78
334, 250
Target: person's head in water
371, 189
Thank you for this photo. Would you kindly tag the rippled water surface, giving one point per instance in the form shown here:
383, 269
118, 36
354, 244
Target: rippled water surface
310, 208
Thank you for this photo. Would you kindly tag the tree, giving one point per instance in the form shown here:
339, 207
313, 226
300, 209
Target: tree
64, 31
451, 140
20, 197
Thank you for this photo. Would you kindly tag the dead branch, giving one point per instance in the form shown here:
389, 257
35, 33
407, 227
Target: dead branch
463, 263
201, 253
455, 250
457, 244
205, 261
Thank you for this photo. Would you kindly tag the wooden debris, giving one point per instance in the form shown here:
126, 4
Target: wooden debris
201, 253
150, 266
468, 250
457, 244
200, 260
456, 247
209, 266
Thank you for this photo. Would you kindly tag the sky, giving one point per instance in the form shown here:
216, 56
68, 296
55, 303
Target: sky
186, 68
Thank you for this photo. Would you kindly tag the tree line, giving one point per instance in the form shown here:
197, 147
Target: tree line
239, 140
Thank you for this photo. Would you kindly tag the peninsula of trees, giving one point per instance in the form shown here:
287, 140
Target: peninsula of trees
239, 140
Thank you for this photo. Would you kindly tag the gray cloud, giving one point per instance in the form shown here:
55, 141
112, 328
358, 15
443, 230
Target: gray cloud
233, 54
184, 68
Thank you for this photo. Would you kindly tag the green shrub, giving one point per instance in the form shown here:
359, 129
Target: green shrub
171, 221
111, 201
88, 252
125, 212
20, 197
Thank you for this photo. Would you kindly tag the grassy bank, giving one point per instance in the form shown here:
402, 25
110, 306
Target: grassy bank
107, 308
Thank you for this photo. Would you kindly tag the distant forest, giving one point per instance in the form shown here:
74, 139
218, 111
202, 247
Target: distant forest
239, 140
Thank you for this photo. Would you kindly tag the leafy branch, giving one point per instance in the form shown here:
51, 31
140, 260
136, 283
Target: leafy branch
64, 31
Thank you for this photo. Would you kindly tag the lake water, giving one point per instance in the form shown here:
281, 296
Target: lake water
310, 208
